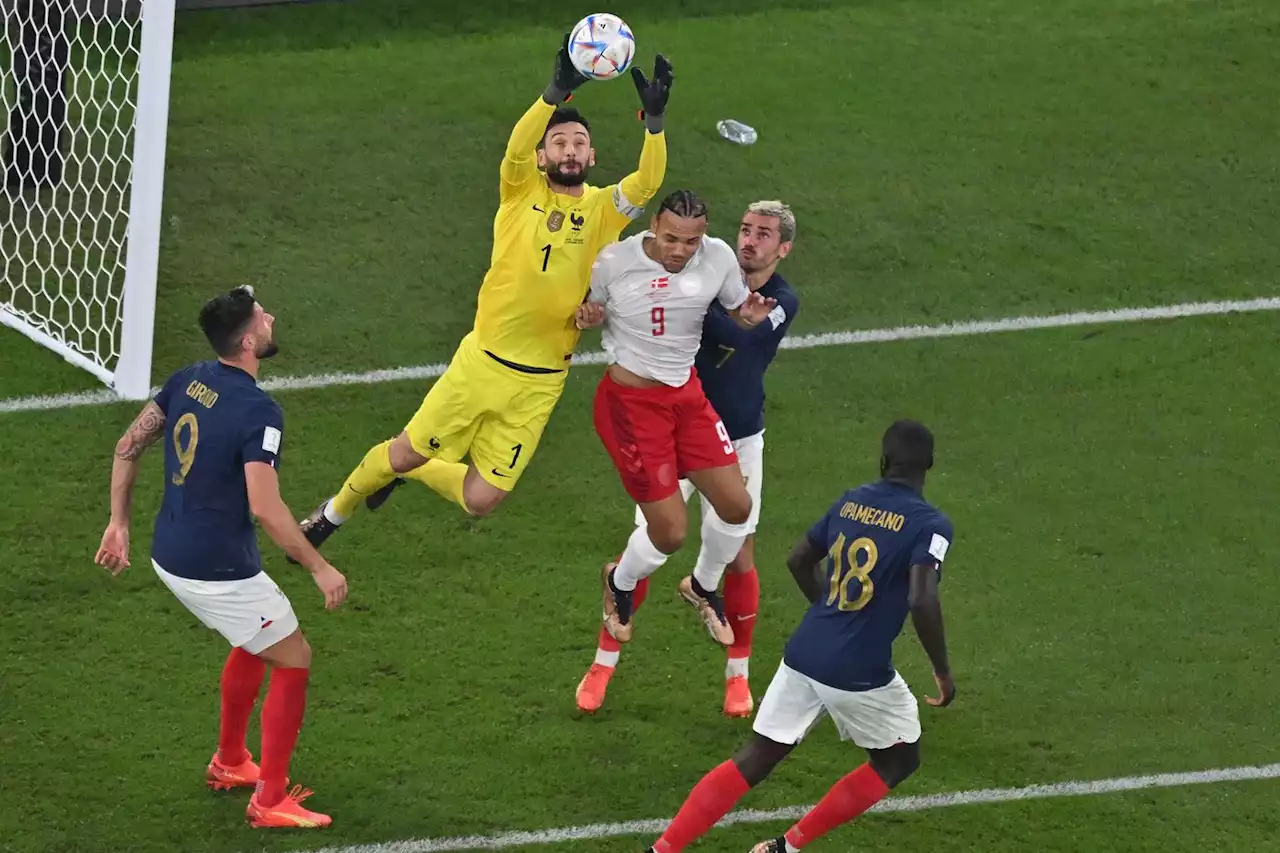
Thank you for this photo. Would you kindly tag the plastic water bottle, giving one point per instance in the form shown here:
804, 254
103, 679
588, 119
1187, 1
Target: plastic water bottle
736, 132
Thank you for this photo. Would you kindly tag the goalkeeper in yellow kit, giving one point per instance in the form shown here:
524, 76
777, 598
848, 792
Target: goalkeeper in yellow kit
495, 398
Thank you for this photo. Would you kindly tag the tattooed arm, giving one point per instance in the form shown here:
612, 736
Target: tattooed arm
113, 553
142, 433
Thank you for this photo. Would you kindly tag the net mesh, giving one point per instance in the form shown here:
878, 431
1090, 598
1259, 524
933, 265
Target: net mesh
69, 93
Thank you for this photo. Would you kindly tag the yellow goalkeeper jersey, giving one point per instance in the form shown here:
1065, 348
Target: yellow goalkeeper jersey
544, 244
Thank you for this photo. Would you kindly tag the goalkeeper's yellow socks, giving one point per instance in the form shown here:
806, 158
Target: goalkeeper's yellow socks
373, 472
445, 478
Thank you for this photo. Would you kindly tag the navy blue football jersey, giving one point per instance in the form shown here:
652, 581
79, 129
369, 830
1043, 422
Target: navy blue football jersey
872, 536
217, 419
732, 360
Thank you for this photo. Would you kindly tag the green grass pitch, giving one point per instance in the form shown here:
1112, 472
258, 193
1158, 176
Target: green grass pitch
1110, 591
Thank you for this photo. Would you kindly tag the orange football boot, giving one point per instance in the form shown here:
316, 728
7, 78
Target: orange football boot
221, 777
591, 688
286, 814
737, 697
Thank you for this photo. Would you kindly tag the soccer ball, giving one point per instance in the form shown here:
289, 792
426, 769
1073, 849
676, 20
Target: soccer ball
601, 46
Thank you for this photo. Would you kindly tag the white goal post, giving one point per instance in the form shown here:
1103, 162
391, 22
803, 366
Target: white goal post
84, 86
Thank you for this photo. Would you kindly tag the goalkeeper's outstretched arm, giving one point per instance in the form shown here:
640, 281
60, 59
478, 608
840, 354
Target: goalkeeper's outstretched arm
643, 184
520, 161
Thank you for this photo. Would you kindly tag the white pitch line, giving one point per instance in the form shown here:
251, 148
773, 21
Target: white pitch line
826, 339
597, 831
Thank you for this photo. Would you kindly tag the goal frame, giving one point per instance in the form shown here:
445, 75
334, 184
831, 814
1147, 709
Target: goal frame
131, 376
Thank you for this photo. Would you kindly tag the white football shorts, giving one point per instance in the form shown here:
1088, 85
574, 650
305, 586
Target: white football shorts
250, 613
872, 719
750, 452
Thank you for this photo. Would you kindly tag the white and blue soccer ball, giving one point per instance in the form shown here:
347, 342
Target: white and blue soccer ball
601, 46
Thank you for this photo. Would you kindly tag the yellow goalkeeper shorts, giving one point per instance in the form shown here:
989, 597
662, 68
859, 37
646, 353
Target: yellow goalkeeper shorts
482, 409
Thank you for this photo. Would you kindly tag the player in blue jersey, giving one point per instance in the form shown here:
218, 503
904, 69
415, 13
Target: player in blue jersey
222, 438
731, 364
875, 556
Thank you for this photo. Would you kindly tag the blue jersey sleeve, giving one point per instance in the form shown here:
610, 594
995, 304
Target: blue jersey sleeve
818, 535
164, 396
783, 313
725, 330
263, 435
932, 544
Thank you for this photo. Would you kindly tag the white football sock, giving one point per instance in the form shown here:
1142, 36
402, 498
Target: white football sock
734, 667
641, 559
332, 516
609, 659
720, 544
791, 848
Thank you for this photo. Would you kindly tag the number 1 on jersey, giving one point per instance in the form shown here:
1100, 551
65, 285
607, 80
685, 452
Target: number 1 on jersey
546, 256
842, 574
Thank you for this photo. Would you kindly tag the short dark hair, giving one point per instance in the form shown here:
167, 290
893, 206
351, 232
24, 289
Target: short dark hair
684, 203
907, 448
225, 317
565, 115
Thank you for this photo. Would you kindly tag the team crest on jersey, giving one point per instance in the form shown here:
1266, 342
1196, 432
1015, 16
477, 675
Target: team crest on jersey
690, 284
577, 220
659, 289
555, 221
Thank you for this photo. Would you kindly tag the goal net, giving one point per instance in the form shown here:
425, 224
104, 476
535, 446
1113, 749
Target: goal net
84, 86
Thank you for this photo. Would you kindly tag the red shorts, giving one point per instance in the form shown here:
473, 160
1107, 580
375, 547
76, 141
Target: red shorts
657, 435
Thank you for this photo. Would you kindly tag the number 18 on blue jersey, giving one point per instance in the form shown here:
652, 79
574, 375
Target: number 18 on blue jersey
872, 536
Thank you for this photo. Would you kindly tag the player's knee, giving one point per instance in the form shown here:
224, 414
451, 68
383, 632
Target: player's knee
401, 455
304, 653
667, 523
481, 498
736, 510
293, 652
480, 507
897, 763
668, 535
756, 760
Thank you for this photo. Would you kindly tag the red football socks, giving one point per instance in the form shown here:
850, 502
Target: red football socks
711, 799
241, 679
608, 643
741, 601
281, 722
847, 799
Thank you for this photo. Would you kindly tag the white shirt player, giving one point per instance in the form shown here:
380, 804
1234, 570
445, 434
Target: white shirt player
653, 318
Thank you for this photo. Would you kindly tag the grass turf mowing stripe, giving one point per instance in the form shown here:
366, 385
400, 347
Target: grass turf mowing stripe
823, 339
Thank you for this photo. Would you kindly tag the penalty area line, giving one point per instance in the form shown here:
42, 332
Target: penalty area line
823, 339
597, 831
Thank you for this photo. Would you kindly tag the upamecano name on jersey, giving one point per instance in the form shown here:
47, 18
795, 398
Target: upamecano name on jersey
873, 516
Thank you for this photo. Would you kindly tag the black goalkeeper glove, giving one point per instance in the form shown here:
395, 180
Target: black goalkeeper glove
565, 78
654, 93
